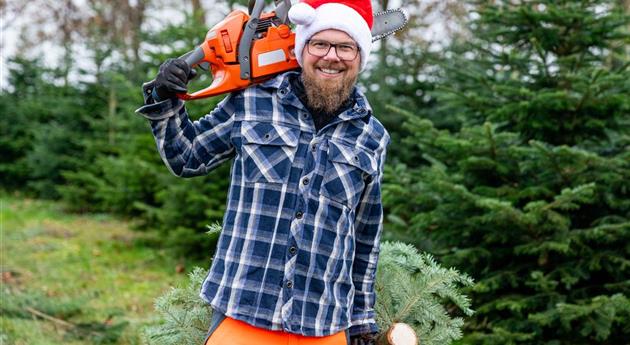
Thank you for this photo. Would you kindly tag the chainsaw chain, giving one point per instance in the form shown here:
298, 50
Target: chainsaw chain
378, 37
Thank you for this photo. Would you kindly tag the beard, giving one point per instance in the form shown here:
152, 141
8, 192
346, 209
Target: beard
327, 95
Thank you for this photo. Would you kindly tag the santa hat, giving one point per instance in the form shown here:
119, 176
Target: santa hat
353, 17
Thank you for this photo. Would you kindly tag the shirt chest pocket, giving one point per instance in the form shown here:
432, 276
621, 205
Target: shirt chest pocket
268, 151
348, 169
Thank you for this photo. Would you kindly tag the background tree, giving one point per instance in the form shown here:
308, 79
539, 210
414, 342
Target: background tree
398, 74
81, 141
523, 183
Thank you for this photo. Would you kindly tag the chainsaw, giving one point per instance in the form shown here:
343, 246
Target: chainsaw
247, 49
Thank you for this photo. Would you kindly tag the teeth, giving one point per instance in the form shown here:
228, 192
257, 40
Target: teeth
330, 71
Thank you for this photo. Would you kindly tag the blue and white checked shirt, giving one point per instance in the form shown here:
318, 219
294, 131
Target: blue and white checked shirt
301, 234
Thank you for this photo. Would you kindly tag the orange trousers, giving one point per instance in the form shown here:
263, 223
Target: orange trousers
236, 332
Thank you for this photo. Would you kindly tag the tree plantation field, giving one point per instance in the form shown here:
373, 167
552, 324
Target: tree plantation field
509, 163
76, 279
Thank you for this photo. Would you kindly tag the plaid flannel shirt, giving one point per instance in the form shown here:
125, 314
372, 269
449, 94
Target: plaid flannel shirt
301, 234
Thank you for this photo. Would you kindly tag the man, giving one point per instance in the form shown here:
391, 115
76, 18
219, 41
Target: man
297, 257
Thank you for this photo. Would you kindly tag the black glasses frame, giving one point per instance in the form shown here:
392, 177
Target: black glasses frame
330, 46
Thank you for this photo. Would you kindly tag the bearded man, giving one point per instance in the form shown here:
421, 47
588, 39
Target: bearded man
296, 260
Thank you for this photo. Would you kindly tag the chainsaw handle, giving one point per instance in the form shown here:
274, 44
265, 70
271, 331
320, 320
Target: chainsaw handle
193, 57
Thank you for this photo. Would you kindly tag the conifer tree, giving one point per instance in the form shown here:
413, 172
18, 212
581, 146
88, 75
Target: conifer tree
528, 190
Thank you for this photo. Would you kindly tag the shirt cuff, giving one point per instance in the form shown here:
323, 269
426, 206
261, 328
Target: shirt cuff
363, 324
154, 109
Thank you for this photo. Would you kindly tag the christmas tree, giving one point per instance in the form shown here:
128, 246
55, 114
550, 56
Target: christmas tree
527, 187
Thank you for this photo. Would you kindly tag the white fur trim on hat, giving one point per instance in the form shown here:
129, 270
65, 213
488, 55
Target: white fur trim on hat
301, 14
330, 16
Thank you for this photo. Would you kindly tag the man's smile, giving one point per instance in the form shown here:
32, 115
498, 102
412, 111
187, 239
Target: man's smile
329, 71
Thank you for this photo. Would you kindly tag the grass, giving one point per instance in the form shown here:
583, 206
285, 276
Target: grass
76, 279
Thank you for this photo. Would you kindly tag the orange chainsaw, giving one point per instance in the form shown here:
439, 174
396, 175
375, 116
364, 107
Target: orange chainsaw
243, 50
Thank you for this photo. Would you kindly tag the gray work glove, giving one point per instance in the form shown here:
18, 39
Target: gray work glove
364, 339
172, 78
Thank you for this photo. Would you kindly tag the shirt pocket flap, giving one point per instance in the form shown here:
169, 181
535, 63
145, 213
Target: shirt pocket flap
353, 155
267, 133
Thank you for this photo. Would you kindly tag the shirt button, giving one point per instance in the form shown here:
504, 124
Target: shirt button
289, 284
305, 181
314, 147
298, 214
292, 250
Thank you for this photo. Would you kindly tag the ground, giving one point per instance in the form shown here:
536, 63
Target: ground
76, 279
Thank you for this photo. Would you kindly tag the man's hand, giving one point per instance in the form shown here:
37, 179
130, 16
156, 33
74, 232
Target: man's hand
172, 78
364, 339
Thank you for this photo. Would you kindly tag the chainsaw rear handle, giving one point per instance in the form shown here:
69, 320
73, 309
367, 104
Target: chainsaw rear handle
194, 57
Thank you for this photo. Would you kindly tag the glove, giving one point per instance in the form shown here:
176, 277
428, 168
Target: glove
172, 78
364, 339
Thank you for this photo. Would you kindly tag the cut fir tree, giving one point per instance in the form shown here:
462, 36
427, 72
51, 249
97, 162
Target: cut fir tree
529, 192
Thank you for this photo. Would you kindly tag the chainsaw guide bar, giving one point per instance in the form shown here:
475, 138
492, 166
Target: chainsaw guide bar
388, 22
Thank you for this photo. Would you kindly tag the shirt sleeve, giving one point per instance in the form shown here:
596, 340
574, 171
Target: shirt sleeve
368, 229
190, 148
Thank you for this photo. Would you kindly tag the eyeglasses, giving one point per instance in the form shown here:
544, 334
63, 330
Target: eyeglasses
345, 51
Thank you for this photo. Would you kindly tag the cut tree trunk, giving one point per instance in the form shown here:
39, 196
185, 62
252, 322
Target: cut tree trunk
399, 334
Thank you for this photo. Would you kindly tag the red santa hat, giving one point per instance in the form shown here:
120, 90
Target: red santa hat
353, 17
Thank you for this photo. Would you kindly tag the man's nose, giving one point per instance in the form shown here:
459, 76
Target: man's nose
332, 54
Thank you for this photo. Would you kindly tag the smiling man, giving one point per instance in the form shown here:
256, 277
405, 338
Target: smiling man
296, 260
329, 73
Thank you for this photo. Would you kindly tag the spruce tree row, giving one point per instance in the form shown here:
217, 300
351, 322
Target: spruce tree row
520, 173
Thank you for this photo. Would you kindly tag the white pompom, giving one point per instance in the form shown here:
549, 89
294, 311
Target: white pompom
301, 14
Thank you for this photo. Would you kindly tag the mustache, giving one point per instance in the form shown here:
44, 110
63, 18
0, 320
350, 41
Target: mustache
331, 65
